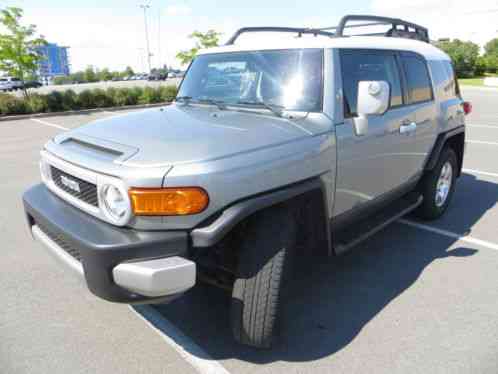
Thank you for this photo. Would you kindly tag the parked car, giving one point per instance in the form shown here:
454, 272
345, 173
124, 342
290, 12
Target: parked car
32, 84
10, 84
269, 153
158, 76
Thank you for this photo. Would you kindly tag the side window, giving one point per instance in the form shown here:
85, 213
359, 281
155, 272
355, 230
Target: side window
368, 66
453, 82
417, 79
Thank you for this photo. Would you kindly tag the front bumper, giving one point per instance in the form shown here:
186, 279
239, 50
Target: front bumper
118, 264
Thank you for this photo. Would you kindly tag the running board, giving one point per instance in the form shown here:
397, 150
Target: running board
362, 230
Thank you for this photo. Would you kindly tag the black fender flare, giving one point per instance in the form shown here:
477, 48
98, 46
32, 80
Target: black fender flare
441, 140
207, 236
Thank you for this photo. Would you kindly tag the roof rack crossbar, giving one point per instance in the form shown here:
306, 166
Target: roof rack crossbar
418, 32
294, 30
356, 25
399, 28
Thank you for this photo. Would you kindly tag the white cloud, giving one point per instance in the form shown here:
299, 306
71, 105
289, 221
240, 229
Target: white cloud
178, 10
462, 19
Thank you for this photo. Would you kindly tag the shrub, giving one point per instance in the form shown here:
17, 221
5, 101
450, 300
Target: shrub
70, 100
86, 99
57, 101
38, 103
168, 93
127, 96
150, 95
122, 97
10, 104
101, 99
54, 101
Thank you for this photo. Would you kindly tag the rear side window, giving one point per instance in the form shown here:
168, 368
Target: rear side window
360, 66
417, 79
452, 86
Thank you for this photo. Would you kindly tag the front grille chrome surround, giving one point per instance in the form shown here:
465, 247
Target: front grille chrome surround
86, 192
90, 183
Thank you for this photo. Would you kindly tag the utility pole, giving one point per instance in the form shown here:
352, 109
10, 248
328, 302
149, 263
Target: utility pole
159, 59
145, 7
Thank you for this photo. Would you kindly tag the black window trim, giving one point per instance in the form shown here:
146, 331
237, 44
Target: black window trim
431, 83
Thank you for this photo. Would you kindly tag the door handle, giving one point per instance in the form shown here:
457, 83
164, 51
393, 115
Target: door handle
407, 128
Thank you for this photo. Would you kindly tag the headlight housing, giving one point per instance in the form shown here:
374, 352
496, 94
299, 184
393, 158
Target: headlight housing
115, 203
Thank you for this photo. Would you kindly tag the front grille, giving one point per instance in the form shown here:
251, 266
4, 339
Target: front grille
87, 191
60, 241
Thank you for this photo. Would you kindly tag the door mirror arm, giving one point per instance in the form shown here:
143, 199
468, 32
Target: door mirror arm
360, 125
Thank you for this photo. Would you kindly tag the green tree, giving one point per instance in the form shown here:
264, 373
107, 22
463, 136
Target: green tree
208, 39
19, 54
465, 56
104, 75
491, 55
128, 72
90, 75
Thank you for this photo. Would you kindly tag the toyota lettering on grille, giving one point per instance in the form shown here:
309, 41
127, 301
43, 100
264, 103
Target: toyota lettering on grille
69, 183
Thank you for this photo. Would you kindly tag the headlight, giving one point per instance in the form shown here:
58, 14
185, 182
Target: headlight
45, 171
115, 203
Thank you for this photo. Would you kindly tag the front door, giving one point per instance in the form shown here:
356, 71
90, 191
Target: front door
372, 165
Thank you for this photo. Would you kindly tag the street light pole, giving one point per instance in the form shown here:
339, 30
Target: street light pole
159, 60
145, 7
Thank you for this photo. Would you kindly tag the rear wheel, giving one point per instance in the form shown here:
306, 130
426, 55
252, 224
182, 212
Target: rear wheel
438, 185
264, 266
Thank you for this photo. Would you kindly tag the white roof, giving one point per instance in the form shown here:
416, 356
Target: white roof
427, 50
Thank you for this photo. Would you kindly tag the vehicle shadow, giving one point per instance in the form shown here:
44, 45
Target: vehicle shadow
473, 198
331, 299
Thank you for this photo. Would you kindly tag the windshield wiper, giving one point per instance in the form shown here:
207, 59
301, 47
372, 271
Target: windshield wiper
219, 103
183, 99
187, 99
275, 109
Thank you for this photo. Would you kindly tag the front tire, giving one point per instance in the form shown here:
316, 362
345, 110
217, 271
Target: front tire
264, 266
438, 185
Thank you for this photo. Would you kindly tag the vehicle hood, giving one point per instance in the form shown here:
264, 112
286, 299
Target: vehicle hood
186, 133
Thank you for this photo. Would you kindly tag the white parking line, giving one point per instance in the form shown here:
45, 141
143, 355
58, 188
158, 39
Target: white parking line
181, 343
483, 126
480, 142
48, 124
463, 238
473, 171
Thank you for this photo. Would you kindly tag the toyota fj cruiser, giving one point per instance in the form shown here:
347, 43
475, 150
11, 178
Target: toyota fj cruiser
315, 142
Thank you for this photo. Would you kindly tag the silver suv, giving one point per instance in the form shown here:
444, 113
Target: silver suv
317, 143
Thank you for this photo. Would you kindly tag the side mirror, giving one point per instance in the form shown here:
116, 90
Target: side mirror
373, 98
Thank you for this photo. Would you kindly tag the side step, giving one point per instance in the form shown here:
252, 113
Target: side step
362, 230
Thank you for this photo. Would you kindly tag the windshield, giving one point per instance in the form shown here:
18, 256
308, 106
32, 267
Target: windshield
289, 79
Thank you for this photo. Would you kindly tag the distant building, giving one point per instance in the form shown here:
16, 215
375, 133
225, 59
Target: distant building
55, 62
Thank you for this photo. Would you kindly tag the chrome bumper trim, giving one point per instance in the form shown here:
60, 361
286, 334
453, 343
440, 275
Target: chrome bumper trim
156, 278
57, 252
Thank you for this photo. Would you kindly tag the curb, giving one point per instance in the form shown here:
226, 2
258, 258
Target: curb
83, 111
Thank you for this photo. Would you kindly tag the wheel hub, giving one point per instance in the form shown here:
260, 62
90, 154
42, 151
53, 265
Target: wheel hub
444, 184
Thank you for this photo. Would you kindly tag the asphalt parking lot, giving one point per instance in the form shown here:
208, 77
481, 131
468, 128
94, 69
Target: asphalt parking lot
415, 298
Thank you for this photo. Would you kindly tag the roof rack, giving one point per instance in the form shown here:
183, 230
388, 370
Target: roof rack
293, 30
399, 29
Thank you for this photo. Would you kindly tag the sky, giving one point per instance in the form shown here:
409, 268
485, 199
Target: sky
111, 33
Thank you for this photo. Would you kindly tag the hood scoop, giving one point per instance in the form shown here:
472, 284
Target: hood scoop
94, 148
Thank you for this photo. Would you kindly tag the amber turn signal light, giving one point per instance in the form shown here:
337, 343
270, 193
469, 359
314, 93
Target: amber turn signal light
177, 201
